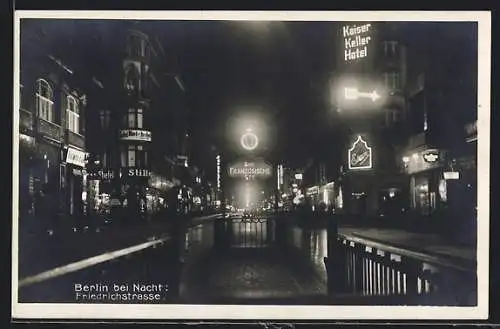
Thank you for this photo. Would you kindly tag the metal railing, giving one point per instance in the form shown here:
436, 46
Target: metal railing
365, 268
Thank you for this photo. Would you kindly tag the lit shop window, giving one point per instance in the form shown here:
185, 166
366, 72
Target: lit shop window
44, 100
72, 115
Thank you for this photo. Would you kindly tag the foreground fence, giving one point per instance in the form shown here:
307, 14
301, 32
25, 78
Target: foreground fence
364, 268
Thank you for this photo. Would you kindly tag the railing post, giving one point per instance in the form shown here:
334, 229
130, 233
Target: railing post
359, 251
335, 262
221, 238
175, 258
412, 269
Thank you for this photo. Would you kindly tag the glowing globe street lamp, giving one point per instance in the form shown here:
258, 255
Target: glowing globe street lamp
249, 140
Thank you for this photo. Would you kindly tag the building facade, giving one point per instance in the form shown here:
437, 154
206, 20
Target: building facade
370, 98
52, 149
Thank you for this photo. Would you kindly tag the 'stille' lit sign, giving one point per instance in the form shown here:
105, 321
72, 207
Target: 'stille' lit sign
135, 135
136, 172
360, 155
355, 41
431, 156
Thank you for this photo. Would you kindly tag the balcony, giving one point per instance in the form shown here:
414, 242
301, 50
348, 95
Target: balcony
26, 121
49, 129
74, 139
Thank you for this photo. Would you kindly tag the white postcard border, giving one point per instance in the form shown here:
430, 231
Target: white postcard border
255, 312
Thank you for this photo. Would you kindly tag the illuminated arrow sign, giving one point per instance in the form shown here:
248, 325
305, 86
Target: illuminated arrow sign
354, 93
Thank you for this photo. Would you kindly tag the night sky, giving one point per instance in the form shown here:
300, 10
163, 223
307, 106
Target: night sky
280, 70
272, 68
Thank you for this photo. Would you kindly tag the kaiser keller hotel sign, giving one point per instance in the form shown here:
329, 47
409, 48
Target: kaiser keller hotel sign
356, 40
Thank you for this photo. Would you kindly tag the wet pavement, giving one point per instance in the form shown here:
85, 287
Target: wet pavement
250, 267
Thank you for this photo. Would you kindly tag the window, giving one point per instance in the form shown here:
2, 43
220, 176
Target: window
131, 155
134, 156
134, 119
72, 115
392, 80
44, 100
105, 116
390, 49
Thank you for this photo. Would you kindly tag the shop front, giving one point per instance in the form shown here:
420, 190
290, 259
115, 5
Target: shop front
134, 189
73, 181
425, 169
47, 179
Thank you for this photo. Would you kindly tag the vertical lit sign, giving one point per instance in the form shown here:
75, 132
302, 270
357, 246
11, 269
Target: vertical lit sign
218, 173
356, 41
280, 176
360, 155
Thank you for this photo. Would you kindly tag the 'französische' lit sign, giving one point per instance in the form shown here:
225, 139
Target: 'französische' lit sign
252, 169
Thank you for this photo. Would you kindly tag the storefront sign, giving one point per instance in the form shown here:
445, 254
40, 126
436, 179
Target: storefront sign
250, 169
356, 41
102, 174
431, 156
360, 155
107, 174
135, 135
75, 157
451, 175
137, 172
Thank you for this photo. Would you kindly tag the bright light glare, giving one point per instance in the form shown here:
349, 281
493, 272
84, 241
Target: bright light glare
354, 94
249, 141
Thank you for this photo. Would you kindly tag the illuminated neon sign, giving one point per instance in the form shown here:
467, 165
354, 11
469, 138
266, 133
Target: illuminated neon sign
218, 173
354, 93
135, 135
431, 156
360, 155
249, 141
250, 169
356, 41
